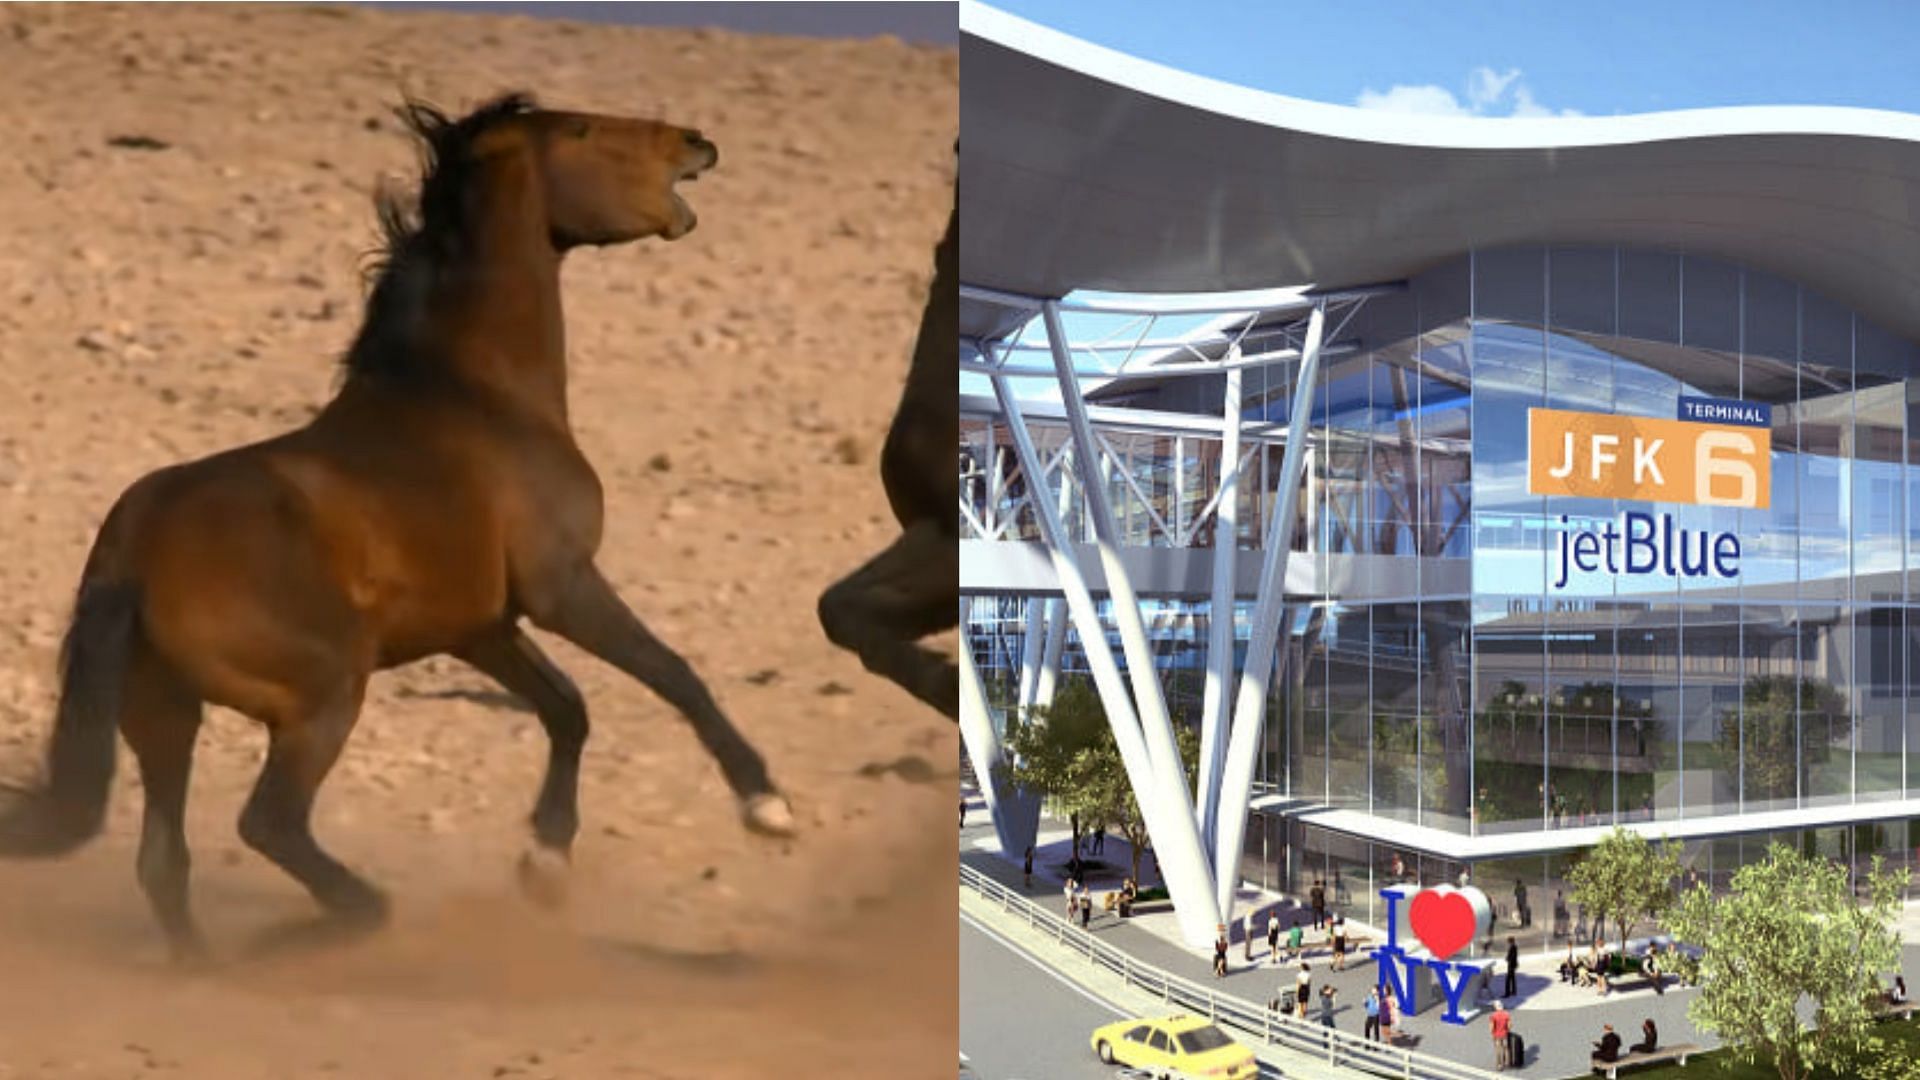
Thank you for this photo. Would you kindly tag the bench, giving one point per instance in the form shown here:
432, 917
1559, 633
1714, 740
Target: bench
1903, 1011
1679, 1052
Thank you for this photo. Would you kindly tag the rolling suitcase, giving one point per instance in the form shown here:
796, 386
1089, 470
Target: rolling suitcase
1516, 1050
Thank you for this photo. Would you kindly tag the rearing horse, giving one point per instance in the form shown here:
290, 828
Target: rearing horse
437, 500
912, 589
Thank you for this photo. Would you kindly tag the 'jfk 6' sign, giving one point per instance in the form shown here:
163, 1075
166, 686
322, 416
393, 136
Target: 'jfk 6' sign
1444, 919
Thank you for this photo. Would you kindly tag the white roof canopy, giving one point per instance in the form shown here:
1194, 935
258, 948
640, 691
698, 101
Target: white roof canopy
1087, 169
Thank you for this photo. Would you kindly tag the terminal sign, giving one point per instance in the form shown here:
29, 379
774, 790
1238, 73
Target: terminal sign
1646, 459
1717, 453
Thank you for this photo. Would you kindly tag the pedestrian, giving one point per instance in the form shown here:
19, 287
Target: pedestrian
1520, 904
1073, 900
1386, 1018
1086, 906
1513, 965
1100, 841
1318, 896
1501, 1027
1294, 934
1220, 953
1371, 1030
1608, 1048
963, 811
1273, 935
1026, 868
1251, 921
1303, 987
1339, 943
1327, 993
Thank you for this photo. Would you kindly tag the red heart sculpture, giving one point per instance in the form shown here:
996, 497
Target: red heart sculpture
1443, 921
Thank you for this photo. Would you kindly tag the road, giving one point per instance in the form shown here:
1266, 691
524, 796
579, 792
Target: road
1019, 1020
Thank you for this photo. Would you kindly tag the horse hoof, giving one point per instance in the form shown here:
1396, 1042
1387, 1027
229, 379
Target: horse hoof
769, 815
543, 876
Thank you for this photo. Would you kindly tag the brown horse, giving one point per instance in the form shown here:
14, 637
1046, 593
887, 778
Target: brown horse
434, 502
912, 589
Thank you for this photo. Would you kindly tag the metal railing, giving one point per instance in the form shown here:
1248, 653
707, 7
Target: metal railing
1336, 1047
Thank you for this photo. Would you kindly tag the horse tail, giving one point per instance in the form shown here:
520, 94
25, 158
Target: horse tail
69, 808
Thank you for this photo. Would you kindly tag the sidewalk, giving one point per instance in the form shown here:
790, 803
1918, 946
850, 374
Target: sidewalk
1559, 1023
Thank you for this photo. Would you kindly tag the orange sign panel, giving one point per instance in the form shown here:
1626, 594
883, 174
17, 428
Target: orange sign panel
1643, 458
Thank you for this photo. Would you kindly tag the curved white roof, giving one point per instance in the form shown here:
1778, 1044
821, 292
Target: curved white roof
1083, 168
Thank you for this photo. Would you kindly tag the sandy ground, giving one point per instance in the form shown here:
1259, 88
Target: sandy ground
159, 303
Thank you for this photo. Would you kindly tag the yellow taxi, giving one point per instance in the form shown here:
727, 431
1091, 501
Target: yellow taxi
1178, 1047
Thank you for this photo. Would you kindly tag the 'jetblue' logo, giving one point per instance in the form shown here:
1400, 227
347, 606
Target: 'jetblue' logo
1701, 410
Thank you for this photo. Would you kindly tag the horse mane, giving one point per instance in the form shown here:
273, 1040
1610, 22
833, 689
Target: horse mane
420, 234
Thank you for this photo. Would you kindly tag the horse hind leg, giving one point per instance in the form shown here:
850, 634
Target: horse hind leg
881, 611
160, 717
278, 819
517, 664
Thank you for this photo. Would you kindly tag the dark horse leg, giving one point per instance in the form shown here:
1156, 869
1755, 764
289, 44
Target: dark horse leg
160, 717
583, 608
277, 821
512, 659
880, 611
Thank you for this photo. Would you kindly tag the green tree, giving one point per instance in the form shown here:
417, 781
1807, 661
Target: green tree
1048, 750
1792, 929
1764, 733
1624, 879
1109, 790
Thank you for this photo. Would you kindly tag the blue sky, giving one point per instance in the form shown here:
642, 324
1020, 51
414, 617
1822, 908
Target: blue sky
1498, 58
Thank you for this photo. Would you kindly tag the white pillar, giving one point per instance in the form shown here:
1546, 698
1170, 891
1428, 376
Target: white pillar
1249, 712
1220, 666
1170, 822
1149, 700
1050, 656
1015, 813
1030, 642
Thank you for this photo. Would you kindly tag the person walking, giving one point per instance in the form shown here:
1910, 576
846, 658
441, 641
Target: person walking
1318, 897
1339, 942
1501, 1027
1294, 934
1220, 953
1372, 1007
1520, 908
1026, 868
1513, 966
1073, 900
1251, 921
1327, 993
1086, 905
1303, 988
1386, 1018
1273, 935
963, 811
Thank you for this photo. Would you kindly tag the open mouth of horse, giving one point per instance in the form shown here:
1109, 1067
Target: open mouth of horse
684, 217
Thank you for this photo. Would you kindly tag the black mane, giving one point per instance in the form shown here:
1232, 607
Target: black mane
414, 240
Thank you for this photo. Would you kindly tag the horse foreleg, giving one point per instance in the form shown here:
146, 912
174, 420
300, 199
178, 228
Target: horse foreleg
880, 611
160, 717
277, 821
513, 660
583, 608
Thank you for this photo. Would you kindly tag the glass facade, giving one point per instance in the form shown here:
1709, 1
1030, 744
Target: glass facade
1509, 697
1458, 675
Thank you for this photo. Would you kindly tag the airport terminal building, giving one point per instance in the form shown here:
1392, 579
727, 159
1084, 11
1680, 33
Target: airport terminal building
1605, 503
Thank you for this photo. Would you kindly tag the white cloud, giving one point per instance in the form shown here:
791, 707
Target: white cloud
1425, 100
1484, 86
1488, 93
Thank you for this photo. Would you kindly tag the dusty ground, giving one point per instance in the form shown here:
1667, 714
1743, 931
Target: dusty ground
161, 303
